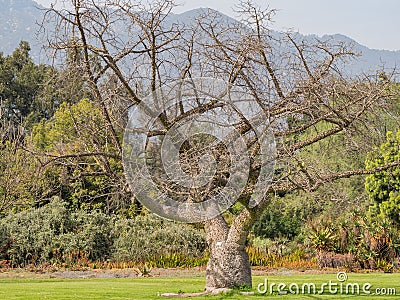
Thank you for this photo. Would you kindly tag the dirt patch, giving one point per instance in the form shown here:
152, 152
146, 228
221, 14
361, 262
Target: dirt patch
133, 273
100, 273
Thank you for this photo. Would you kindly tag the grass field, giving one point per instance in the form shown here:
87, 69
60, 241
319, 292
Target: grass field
148, 288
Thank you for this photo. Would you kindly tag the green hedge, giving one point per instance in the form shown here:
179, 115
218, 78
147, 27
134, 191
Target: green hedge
54, 234
146, 237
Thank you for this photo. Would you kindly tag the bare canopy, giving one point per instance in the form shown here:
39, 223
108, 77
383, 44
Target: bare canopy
296, 83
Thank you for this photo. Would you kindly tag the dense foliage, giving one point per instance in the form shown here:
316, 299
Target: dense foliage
384, 187
23, 90
54, 233
87, 162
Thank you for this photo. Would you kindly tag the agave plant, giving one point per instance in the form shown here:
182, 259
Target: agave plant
323, 239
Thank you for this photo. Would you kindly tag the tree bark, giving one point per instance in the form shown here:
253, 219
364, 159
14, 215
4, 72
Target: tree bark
228, 266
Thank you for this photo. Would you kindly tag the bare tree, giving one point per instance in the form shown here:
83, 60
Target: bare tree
296, 83
302, 88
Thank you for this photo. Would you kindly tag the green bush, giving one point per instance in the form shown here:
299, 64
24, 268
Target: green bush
384, 187
276, 222
90, 236
52, 233
31, 232
149, 236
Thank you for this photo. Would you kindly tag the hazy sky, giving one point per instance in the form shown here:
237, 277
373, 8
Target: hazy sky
373, 23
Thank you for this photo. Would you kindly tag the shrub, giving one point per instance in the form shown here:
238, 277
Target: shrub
277, 222
90, 236
52, 233
364, 242
384, 187
31, 232
149, 236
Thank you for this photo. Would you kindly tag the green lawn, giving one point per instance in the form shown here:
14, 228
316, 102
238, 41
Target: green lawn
147, 288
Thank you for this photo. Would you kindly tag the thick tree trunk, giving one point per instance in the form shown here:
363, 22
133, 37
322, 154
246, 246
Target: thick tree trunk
228, 266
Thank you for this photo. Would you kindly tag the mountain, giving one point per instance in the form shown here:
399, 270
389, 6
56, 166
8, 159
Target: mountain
370, 59
20, 20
